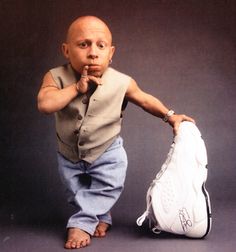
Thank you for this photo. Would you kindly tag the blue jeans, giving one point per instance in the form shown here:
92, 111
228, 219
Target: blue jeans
94, 188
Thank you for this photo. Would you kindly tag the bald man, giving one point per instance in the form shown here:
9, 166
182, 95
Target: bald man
88, 98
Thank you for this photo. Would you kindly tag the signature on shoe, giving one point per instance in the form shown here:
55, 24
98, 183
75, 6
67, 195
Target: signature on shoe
185, 219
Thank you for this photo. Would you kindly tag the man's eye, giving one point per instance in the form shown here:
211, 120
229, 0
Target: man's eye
83, 45
102, 45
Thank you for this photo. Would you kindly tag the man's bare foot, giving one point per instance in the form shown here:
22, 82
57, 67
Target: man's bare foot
101, 229
77, 238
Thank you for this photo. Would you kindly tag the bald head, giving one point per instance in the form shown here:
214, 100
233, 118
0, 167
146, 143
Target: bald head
84, 23
89, 44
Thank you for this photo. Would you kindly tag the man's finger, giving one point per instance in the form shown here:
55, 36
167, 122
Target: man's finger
94, 79
187, 118
85, 72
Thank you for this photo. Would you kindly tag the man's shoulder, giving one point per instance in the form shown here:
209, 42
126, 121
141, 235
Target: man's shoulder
61, 68
118, 74
63, 75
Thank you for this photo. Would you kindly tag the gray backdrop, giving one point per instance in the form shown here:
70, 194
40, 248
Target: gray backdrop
183, 52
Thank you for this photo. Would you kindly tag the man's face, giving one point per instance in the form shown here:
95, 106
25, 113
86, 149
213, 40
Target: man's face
89, 43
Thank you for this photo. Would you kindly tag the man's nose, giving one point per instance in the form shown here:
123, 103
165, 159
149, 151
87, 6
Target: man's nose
93, 54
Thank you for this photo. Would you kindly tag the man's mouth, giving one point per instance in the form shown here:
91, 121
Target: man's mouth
94, 67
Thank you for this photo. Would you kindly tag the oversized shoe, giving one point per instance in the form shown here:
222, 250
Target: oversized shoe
177, 200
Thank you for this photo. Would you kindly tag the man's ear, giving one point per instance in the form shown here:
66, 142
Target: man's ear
112, 51
65, 50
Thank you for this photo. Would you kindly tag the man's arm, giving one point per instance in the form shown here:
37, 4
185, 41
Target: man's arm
52, 99
153, 106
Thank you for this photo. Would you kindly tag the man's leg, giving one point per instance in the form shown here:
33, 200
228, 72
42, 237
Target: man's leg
74, 179
107, 175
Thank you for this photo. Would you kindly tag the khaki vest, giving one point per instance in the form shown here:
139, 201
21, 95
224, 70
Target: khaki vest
88, 125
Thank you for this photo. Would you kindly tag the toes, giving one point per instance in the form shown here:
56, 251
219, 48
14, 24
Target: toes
101, 229
102, 233
84, 243
70, 244
99, 233
77, 238
67, 245
76, 244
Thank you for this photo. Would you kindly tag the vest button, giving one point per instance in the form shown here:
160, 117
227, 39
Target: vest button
80, 117
76, 132
85, 100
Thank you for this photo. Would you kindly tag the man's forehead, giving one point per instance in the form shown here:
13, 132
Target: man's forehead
89, 28
88, 31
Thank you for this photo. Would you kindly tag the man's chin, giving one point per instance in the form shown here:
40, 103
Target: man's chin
95, 73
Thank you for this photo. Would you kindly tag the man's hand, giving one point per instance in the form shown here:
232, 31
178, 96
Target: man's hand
175, 121
83, 84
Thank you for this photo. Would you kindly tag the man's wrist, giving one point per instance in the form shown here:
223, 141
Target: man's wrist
168, 115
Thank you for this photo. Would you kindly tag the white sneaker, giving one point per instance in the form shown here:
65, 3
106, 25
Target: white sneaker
177, 200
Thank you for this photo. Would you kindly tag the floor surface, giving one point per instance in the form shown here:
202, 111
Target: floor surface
48, 236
